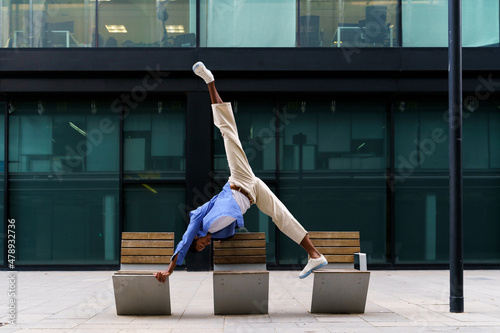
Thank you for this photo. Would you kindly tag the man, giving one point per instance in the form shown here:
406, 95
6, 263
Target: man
219, 217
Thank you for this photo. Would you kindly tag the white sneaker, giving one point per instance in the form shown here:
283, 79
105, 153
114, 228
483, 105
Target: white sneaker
312, 265
200, 70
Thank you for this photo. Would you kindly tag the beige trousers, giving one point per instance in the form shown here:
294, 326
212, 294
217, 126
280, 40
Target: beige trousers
243, 176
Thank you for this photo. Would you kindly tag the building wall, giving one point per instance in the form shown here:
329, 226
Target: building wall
97, 141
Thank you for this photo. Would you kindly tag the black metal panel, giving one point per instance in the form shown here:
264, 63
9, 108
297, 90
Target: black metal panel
199, 129
167, 82
96, 59
127, 60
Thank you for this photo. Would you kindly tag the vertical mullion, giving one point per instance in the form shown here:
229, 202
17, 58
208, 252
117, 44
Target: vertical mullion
198, 22
277, 251
96, 32
399, 11
121, 206
391, 188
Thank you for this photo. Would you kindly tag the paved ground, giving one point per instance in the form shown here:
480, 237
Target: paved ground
398, 301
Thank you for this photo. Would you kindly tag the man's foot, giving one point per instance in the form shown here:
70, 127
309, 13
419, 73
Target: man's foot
312, 265
200, 70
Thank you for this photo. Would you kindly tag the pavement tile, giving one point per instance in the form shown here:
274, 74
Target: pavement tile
398, 301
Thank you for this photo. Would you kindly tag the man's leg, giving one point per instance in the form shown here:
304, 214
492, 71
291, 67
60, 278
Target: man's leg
242, 175
214, 95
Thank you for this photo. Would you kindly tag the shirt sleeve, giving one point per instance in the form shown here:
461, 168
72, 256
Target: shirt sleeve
194, 227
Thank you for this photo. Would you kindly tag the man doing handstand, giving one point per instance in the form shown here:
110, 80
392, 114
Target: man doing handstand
219, 217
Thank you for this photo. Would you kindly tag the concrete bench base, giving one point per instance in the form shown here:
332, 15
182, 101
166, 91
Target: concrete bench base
241, 292
339, 291
139, 293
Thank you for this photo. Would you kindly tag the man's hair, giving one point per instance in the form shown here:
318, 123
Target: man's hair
192, 248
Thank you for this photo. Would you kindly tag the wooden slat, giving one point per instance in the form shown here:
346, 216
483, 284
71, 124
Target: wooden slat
240, 260
139, 251
338, 250
136, 272
240, 252
240, 243
145, 259
333, 234
148, 235
148, 243
335, 242
248, 235
340, 259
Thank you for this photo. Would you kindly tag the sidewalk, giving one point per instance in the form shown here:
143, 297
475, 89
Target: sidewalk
398, 301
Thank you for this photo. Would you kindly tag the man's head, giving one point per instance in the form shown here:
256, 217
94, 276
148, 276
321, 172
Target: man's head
199, 243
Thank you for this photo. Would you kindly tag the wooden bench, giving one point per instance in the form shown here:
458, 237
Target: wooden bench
240, 278
146, 250
137, 292
338, 287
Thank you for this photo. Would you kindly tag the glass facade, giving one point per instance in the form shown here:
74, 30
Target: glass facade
243, 23
328, 160
63, 182
334, 161
151, 23
292, 23
154, 136
425, 23
72, 23
421, 184
40, 23
154, 207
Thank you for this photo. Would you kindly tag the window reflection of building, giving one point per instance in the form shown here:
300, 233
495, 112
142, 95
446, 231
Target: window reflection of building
349, 23
47, 23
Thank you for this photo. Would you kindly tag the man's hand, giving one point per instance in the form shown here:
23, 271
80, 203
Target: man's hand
162, 275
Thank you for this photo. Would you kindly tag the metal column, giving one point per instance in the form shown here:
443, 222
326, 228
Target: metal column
455, 133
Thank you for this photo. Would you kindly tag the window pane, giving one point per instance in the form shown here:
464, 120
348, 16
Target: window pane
421, 206
147, 23
334, 162
347, 23
290, 23
154, 135
248, 23
257, 132
63, 182
154, 208
47, 23
421, 137
425, 23
481, 216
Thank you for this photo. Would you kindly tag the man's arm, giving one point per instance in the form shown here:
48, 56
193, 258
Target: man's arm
162, 275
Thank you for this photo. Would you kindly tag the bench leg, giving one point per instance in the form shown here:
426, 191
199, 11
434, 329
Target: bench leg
339, 291
141, 295
240, 293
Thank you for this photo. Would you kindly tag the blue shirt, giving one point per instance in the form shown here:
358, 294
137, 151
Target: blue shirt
200, 220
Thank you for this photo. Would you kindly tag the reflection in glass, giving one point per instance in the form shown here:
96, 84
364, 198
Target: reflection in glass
425, 23
332, 172
46, 23
147, 23
257, 131
154, 208
154, 140
347, 23
291, 23
63, 182
422, 182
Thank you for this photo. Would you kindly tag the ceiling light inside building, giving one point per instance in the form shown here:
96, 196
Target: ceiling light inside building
175, 29
116, 29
